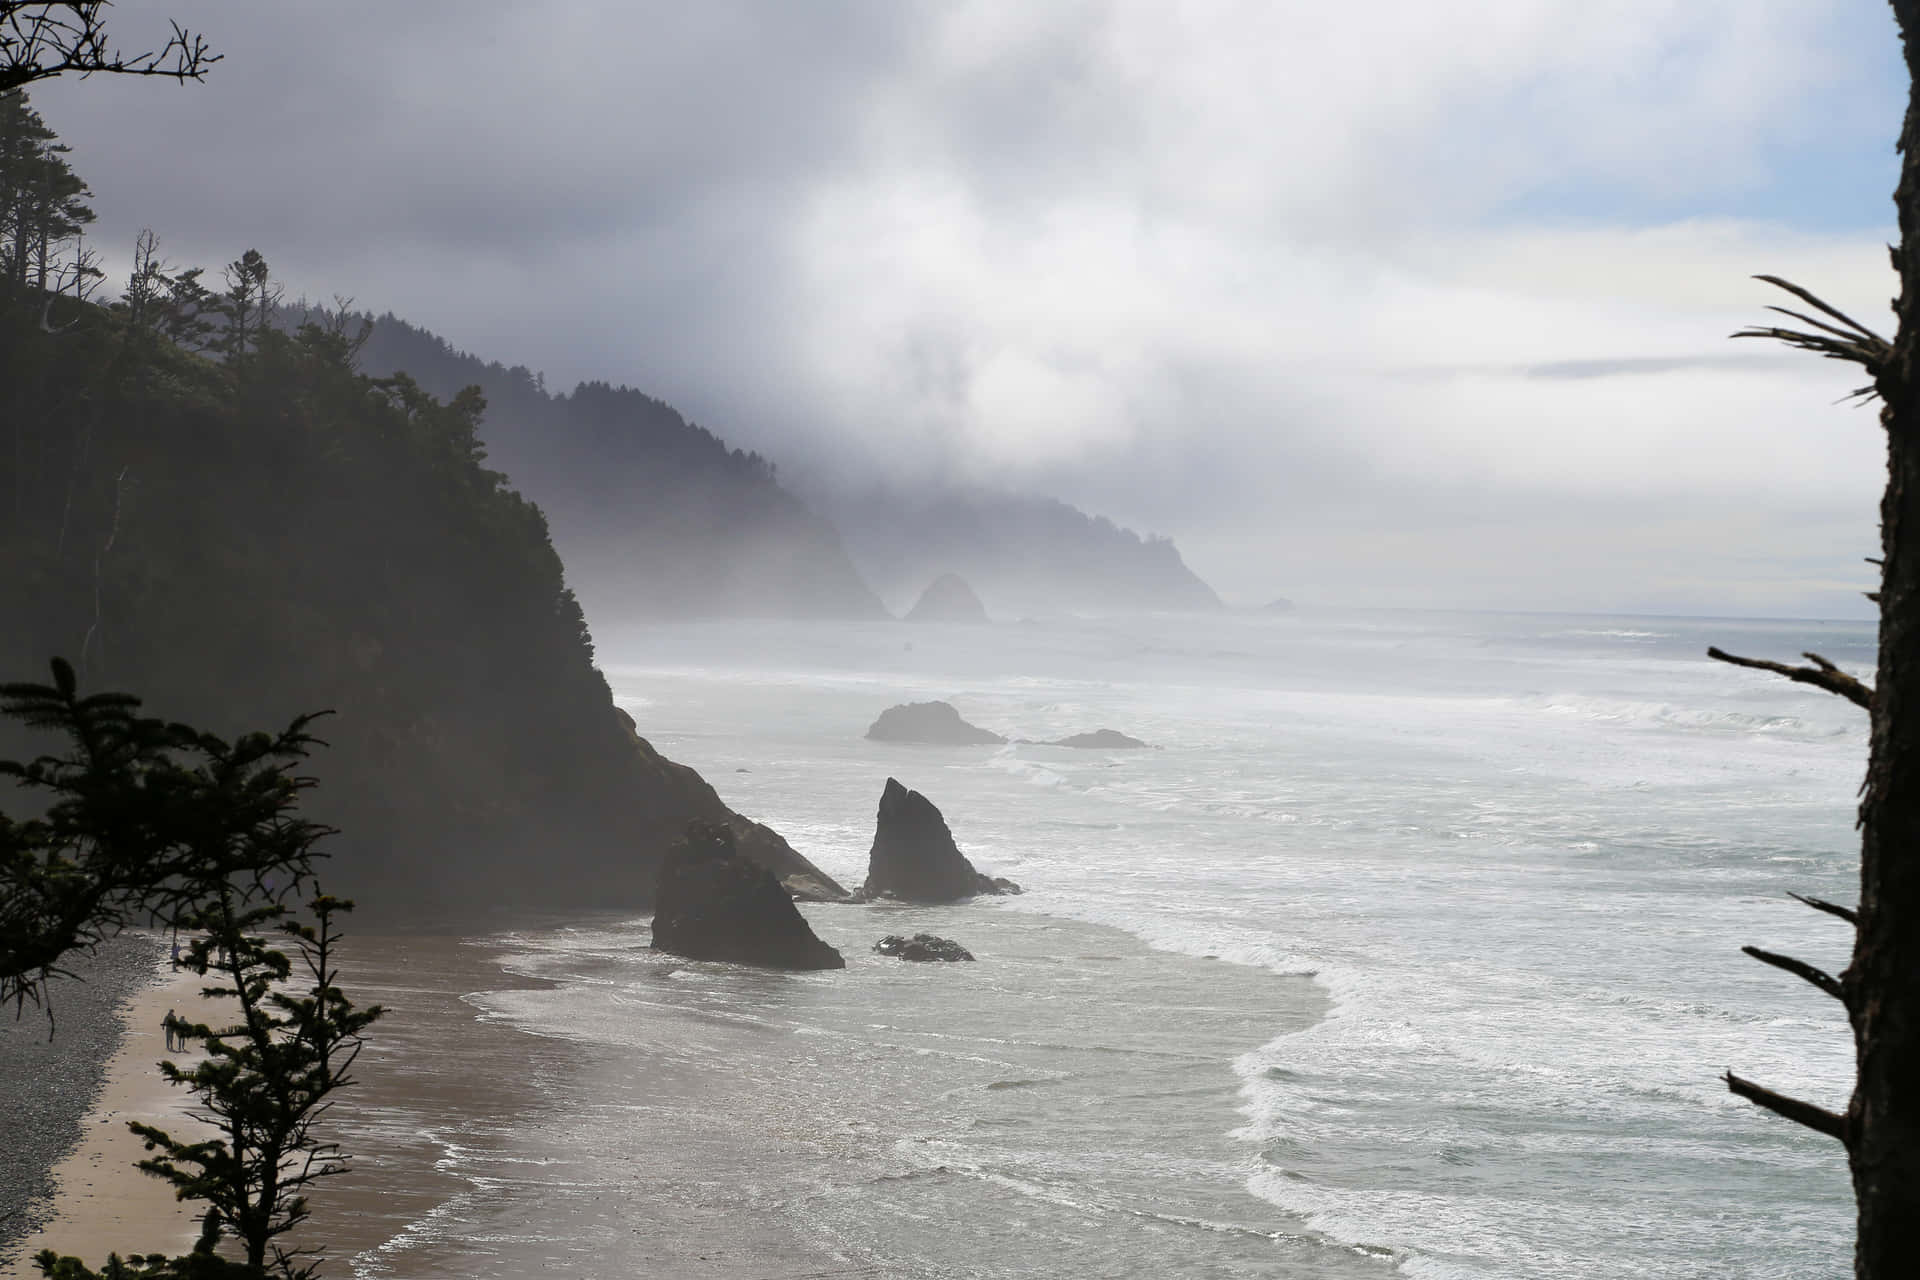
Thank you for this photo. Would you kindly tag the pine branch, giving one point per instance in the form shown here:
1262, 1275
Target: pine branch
1818, 1119
1821, 675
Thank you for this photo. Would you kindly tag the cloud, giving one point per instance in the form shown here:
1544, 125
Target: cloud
1374, 281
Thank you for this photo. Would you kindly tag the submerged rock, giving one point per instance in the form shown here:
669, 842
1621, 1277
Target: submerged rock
930, 722
715, 903
921, 946
1100, 740
914, 858
948, 599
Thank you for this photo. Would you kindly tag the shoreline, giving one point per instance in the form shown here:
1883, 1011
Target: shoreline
100, 1202
53, 1066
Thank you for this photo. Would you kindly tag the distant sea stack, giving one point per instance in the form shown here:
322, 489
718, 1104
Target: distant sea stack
1100, 740
930, 723
713, 903
948, 598
914, 858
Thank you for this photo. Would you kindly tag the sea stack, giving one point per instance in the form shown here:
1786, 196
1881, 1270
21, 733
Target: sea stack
1100, 740
948, 598
714, 903
914, 858
930, 723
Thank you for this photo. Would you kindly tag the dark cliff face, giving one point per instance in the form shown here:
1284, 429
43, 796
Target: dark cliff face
239, 543
914, 858
712, 903
657, 517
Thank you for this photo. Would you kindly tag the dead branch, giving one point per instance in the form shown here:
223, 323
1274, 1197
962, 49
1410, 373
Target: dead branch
1821, 675
1831, 908
40, 39
1851, 341
1818, 1119
1800, 969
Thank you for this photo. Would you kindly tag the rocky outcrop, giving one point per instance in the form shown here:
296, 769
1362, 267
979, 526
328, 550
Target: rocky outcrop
682, 794
1099, 740
935, 723
921, 946
948, 599
712, 903
914, 858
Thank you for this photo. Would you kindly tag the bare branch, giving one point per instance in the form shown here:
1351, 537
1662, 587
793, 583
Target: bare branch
1822, 675
1818, 1119
1814, 302
1831, 908
1800, 969
41, 39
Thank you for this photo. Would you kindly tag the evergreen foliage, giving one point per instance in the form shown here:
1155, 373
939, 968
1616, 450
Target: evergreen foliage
141, 821
267, 1078
42, 202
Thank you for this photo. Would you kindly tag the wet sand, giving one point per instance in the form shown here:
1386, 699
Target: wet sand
434, 1073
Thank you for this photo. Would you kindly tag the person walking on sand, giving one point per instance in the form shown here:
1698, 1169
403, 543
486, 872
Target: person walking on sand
176, 954
166, 1024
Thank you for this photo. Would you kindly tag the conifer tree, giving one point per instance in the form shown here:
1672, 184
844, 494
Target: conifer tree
268, 1077
144, 821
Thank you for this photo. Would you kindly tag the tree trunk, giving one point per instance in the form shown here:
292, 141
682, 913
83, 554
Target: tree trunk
1883, 981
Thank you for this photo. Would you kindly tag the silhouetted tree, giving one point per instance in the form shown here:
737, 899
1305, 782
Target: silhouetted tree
144, 821
42, 200
268, 1078
248, 304
1880, 987
40, 39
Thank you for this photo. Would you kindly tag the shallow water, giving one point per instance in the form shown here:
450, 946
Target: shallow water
1472, 886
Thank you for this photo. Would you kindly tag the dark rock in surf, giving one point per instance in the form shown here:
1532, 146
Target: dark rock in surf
948, 599
714, 903
1100, 740
914, 858
921, 946
806, 888
934, 723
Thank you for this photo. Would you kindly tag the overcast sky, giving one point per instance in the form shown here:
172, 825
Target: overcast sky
1401, 303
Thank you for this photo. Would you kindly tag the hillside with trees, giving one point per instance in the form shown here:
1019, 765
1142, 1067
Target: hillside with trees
232, 519
657, 517
1024, 555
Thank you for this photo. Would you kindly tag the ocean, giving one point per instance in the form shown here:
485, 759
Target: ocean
1410, 949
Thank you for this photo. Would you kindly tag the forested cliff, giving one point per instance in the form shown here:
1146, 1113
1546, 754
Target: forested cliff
231, 521
656, 516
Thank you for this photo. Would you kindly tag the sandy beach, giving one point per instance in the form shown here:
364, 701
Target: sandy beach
102, 1203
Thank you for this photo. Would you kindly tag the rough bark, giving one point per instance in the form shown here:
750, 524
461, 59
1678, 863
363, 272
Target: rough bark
1882, 984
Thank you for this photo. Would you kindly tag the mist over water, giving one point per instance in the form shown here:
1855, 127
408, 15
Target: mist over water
1413, 949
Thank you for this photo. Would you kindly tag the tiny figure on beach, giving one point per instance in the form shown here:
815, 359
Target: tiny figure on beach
176, 953
166, 1024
